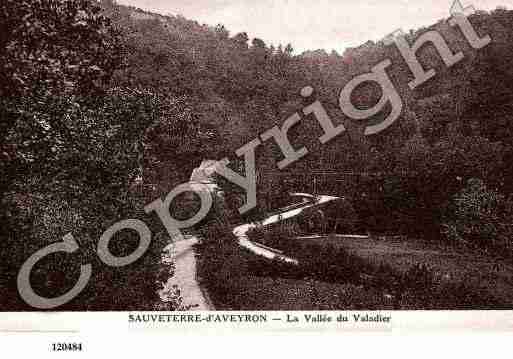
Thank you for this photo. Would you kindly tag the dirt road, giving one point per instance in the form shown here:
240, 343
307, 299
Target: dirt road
184, 278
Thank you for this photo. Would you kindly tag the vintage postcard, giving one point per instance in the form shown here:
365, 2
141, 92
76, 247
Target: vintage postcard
284, 165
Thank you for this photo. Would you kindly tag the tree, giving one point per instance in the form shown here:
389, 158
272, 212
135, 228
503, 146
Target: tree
48, 49
241, 39
56, 60
258, 43
50, 46
221, 31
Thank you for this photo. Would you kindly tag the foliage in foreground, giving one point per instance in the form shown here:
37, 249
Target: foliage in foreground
481, 217
74, 149
326, 278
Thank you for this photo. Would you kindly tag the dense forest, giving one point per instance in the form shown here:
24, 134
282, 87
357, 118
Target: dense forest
105, 107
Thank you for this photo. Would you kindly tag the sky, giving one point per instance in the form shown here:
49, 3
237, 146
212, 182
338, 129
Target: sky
314, 24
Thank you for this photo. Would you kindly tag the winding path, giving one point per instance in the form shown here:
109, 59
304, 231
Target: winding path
182, 255
241, 231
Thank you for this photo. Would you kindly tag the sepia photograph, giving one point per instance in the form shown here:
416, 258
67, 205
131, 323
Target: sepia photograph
225, 159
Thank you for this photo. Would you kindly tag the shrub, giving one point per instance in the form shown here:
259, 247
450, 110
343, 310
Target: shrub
480, 217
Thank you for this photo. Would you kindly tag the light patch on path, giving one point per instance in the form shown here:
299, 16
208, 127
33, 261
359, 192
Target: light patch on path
181, 253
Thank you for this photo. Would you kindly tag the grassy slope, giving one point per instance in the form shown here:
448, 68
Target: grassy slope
462, 280
447, 263
232, 283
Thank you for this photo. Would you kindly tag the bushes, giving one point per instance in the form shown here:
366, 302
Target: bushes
237, 279
419, 288
320, 263
73, 146
221, 269
480, 217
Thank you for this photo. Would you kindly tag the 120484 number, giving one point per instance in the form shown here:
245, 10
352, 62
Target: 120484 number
67, 347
